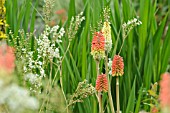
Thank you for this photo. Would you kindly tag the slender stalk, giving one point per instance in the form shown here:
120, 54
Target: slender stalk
61, 62
37, 12
100, 102
61, 80
117, 94
109, 87
61, 83
121, 46
49, 86
51, 71
97, 67
65, 52
99, 93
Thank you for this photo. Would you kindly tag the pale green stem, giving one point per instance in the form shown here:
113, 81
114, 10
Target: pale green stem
51, 71
61, 62
50, 83
61, 83
117, 95
100, 102
48, 89
121, 46
109, 87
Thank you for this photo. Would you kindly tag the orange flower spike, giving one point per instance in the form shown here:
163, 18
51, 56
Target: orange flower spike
165, 91
98, 46
117, 66
102, 83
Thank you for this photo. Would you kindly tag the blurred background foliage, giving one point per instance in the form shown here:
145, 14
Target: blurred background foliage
146, 51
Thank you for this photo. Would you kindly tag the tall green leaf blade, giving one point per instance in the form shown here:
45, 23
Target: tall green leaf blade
131, 100
158, 35
166, 51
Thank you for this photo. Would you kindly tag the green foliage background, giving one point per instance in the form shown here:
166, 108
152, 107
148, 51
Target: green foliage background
146, 51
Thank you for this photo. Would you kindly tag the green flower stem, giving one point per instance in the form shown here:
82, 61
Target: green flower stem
117, 94
121, 46
109, 87
60, 63
100, 102
49, 87
99, 93
62, 89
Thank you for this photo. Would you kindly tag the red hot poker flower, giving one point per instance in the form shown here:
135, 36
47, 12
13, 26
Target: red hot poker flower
98, 46
165, 91
102, 83
117, 66
98, 42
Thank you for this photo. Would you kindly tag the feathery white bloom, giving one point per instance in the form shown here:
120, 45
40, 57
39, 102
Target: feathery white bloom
127, 27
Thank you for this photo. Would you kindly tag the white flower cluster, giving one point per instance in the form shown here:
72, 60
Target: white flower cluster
34, 80
46, 48
16, 98
127, 27
110, 66
33, 64
57, 35
74, 25
46, 51
30, 66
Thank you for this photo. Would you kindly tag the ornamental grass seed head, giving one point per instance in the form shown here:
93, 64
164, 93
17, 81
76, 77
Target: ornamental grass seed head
127, 27
75, 24
102, 83
164, 95
106, 30
98, 46
117, 66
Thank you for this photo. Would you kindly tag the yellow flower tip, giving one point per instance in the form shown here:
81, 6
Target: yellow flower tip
106, 30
